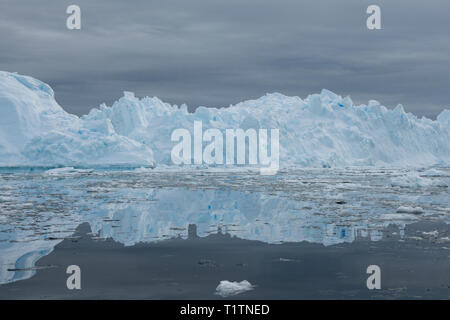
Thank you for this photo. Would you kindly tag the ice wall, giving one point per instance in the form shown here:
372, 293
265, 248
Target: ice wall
35, 130
323, 130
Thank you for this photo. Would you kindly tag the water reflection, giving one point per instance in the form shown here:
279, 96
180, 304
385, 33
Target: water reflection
328, 207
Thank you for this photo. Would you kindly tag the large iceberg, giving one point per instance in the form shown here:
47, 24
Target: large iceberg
35, 130
323, 130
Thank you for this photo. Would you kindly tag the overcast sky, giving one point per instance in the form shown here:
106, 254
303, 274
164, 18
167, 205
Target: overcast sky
217, 53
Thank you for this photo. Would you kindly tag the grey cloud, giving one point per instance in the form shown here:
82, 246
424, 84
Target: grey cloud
215, 53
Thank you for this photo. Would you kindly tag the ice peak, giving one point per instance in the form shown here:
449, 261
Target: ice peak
27, 82
35, 130
129, 95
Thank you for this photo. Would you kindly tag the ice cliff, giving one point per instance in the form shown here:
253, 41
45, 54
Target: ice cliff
35, 130
323, 130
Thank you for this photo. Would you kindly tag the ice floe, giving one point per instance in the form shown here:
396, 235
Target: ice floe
413, 210
230, 288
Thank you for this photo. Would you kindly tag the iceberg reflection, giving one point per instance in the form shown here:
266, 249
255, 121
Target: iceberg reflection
328, 207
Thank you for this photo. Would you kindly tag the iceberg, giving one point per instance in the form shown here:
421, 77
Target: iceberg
323, 130
35, 130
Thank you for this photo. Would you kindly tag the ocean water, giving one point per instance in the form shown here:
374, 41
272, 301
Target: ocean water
39, 207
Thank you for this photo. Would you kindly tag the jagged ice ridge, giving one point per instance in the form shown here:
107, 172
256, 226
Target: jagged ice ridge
323, 130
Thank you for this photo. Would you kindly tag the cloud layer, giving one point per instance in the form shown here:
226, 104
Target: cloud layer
215, 53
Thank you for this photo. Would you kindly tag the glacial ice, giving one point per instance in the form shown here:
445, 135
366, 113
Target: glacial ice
230, 288
323, 130
35, 130
413, 210
413, 179
67, 171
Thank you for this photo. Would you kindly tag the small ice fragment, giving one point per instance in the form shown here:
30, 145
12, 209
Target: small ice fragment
285, 260
227, 288
413, 210
434, 233
67, 171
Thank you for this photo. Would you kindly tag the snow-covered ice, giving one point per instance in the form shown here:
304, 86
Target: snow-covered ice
433, 172
230, 288
323, 130
414, 179
67, 171
35, 130
413, 210
433, 233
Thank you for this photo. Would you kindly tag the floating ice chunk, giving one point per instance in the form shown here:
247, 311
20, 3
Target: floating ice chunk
412, 210
227, 288
415, 238
415, 179
434, 233
404, 217
435, 173
285, 260
67, 171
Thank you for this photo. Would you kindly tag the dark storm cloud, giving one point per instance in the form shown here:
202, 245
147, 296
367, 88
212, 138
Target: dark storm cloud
215, 53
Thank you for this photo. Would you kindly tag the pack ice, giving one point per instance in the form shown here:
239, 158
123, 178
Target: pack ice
323, 130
